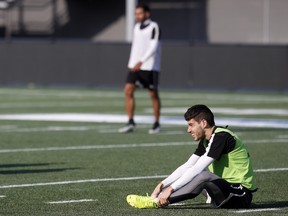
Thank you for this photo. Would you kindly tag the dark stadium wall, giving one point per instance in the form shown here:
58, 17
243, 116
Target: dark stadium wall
183, 65
87, 19
180, 20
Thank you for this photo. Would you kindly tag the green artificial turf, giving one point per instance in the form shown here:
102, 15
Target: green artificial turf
268, 149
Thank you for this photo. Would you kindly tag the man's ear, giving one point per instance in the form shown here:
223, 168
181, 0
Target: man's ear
147, 14
204, 123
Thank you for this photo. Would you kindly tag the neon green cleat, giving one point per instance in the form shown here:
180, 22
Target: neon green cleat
142, 202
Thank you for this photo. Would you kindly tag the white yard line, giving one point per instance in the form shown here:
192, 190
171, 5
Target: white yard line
54, 104
255, 98
266, 141
283, 136
111, 179
271, 170
83, 181
115, 146
178, 204
227, 111
2, 196
112, 146
72, 201
256, 210
162, 132
48, 129
141, 119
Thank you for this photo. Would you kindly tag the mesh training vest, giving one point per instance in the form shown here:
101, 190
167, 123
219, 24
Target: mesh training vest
236, 166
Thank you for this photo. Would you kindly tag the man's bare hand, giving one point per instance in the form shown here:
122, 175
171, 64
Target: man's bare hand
136, 67
157, 190
163, 197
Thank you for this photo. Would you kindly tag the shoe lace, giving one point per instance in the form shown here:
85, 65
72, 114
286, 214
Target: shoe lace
147, 201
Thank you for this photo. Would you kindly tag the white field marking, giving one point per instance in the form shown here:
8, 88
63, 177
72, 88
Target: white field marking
143, 94
183, 102
76, 103
177, 204
2, 196
59, 93
15, 129
72, 201
161, 133
228, 111
119, 103
59, 104
113, 146
141, 119
226, 97
48, 129
256, 210
74, 94
265, 141
7, 127
108, 180
271, 170
283, 136
108, 131
84, 181
172, 133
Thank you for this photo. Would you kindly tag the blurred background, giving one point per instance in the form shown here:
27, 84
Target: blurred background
211, 44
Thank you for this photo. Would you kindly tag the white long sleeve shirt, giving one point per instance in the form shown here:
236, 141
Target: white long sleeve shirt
146, 46
189, 170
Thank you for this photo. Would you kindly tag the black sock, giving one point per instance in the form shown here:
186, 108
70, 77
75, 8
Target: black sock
155, 125
131, 121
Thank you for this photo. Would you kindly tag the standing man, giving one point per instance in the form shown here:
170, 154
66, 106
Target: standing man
230, 179
144, 67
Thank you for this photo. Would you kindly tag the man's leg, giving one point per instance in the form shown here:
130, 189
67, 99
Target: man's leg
156, 103
227, 195
222, 193
194, 188
129, 99
130, 107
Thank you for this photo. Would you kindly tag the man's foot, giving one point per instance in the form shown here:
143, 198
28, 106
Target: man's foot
130, 127
142, 202
155, 128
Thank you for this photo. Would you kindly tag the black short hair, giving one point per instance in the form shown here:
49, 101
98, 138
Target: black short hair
145, 7
200, 112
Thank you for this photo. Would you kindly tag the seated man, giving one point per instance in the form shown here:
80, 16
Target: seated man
220, 166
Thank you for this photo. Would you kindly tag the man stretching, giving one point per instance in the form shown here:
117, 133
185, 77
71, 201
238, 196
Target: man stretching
220, 166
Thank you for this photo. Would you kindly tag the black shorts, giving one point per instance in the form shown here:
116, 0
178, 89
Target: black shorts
234, 195
144, 79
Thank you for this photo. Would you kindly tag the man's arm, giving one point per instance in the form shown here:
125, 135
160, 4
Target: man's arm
203, 162
180, 170
192, 172
154, 42
200, 150
136, 67
174, 176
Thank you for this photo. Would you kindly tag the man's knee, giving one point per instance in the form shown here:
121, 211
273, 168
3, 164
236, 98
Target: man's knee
154, 94
216, 192
206, 176
129, 90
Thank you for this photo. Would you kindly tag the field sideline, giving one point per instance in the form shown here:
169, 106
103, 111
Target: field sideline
58, 159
